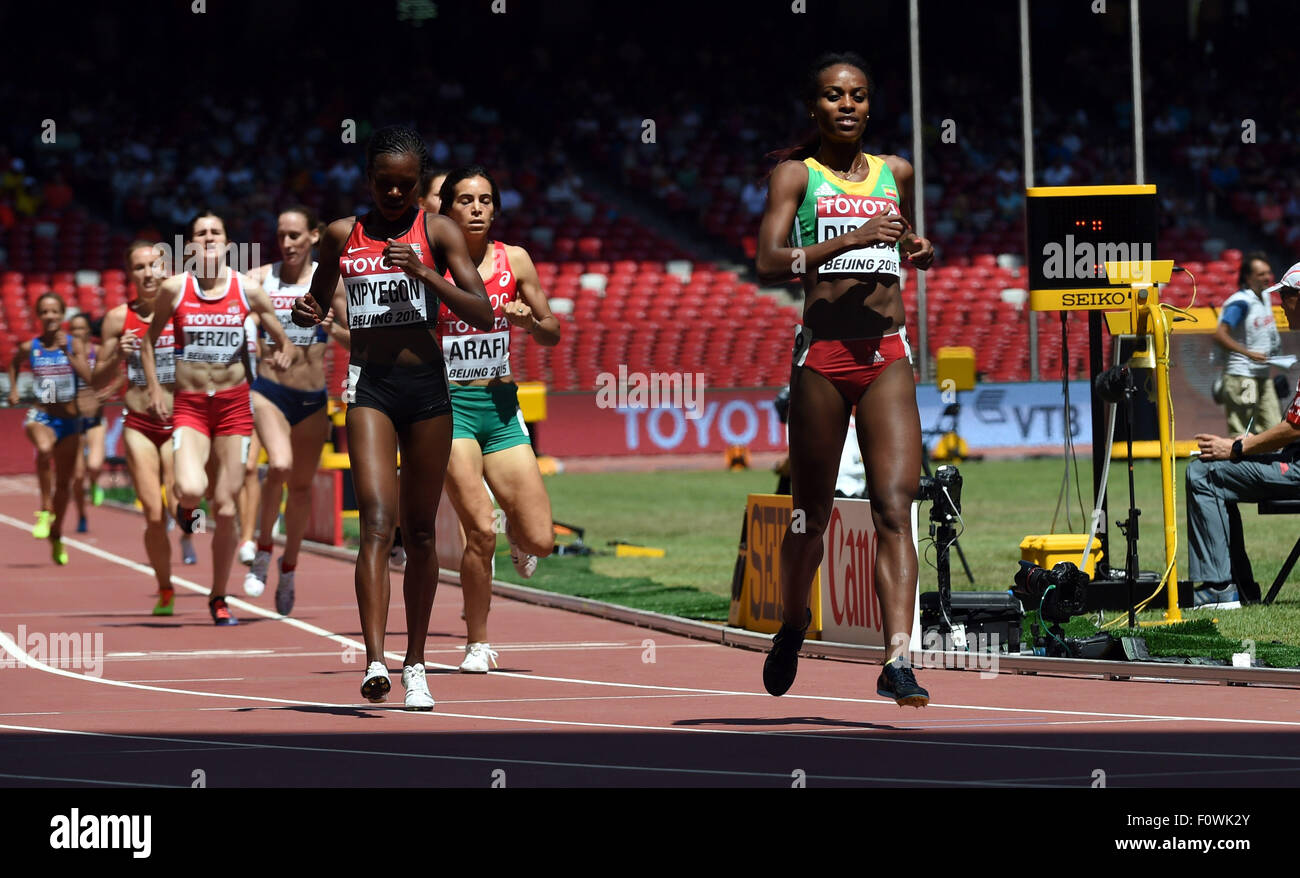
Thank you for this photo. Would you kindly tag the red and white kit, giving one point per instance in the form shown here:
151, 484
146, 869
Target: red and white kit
475, 353
379, 295
154, 430
212, 331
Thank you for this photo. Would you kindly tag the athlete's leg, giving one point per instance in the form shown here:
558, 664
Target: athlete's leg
96, 451
307, 438
426, 446
373, 443
249, 497
819, 424
190, 451
79, 481
889, 435
42, 438
468, 496
144, 463
514, 478
66, 452
273, 433
228, 452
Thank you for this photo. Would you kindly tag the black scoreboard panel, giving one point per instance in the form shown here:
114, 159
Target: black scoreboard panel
1074, 230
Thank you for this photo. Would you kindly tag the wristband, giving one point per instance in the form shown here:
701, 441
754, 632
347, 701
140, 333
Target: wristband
1235, 454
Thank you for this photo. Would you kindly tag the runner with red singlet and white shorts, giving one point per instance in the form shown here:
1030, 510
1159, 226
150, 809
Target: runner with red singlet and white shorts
210, 412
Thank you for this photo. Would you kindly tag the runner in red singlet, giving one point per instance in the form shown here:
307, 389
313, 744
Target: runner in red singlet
147, 441
490, 439
210, 409
392, 262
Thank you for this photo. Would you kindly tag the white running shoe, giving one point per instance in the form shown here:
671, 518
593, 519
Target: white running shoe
417, 688
525, 564
188, 555
255, 578
247, 552
375, 685
284, 591
397, 556
477, 656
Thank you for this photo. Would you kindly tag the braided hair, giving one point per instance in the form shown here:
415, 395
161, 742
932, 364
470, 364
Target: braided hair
397, 140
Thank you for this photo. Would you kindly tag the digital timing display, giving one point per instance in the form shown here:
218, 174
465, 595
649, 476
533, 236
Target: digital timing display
1074, 231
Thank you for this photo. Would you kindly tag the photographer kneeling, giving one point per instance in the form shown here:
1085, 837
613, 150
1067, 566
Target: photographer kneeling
1222, 474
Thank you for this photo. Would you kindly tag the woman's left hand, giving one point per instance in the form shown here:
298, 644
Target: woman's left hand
282, 359
518, 313
920, 252
404, 257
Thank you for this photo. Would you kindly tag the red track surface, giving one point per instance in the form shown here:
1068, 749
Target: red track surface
275, 702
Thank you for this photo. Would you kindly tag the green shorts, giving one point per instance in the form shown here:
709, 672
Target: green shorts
489, 416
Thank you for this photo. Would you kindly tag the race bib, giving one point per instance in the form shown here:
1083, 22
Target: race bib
300, 336
878, 258
57, 383
380, 300
164, 360
481, 355
841, 213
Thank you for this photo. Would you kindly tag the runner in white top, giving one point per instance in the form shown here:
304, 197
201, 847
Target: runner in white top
290, 408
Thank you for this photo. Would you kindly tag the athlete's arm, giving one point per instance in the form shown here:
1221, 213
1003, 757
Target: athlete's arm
918, 250
260, 304
530, 310
337, 317
80, 359
20, 356
776, 261
325, 281
163, 308
110, 352
467, 298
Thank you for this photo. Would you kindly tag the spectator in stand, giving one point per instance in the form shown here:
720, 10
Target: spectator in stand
1248, 332
1059, 174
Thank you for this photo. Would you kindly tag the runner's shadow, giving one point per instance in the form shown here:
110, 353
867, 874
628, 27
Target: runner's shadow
354, 712
789, 720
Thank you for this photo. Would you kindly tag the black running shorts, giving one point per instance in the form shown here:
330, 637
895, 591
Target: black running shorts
406, 394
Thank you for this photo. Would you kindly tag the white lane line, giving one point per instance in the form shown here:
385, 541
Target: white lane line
339, 751
107, 783
191, 680
398, 657
8, 645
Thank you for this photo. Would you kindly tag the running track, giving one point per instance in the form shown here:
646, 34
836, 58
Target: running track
274, 703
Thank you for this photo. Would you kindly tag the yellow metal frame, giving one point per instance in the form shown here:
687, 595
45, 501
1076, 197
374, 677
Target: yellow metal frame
1147, 318
1059, 191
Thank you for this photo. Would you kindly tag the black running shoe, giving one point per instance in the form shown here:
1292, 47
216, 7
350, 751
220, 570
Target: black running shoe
220, 612
782, 661
899, 683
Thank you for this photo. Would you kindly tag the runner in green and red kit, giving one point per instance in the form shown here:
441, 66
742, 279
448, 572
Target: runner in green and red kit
836, 219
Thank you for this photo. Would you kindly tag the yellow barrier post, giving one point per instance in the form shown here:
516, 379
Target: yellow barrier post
1143, 279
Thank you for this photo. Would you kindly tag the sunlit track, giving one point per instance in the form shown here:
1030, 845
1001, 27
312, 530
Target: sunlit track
654, 722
